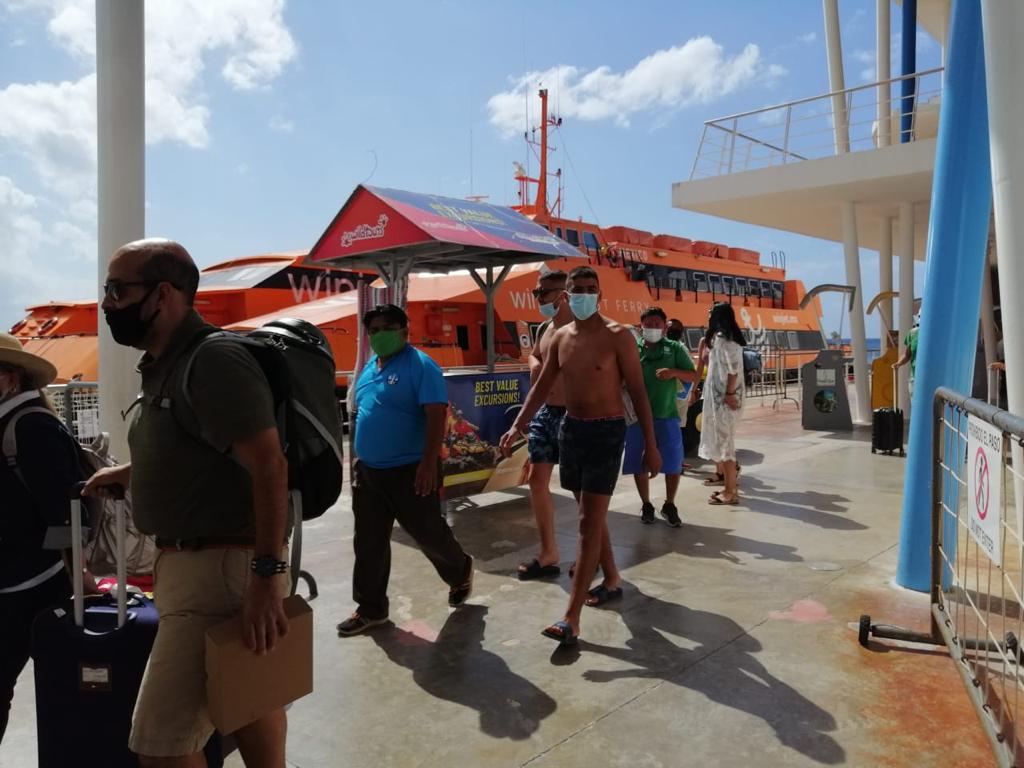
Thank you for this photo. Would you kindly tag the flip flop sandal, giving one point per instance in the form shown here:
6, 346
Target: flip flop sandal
562, 632
717, 501
534, 570
715, 479
600, 595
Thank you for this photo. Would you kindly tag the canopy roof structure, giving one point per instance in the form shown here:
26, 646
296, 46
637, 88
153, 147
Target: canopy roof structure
397, 232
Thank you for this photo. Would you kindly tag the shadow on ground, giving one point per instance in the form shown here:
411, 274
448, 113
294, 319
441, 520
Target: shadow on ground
455, 667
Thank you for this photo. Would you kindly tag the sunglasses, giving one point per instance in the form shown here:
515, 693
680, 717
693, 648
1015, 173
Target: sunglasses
116, 290
538, 292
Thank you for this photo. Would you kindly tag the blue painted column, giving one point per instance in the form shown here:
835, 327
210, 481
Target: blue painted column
908, 66
957, 238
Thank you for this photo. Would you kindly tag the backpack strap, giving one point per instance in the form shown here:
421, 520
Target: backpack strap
321, 430
10, 438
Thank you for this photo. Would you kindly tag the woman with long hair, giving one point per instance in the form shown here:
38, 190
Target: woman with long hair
722, 350
34, 522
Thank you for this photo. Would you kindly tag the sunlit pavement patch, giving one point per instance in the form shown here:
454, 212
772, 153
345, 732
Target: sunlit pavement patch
803, 611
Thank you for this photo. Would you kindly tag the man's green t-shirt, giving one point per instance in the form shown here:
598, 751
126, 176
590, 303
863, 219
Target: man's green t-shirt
662, 394
912, 346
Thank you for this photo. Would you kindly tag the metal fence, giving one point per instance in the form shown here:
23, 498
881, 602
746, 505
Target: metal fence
78, 404
804, 129
977, 580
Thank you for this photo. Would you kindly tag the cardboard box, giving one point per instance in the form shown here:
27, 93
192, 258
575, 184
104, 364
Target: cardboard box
241, 686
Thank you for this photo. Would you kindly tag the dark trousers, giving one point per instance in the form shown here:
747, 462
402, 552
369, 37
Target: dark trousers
379, 498
17, 610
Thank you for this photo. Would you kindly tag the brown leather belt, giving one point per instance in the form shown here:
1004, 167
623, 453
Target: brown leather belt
210, 542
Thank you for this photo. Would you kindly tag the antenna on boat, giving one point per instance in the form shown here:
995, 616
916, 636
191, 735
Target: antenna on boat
540, 207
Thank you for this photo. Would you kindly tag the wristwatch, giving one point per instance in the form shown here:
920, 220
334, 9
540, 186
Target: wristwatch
267, 566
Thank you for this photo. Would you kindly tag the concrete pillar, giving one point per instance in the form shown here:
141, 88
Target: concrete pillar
885, 278
906, 294
1004, 61
857, 332
834, 49
883, 31
121, 121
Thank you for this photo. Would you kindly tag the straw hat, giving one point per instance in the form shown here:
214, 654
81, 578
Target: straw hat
40, 371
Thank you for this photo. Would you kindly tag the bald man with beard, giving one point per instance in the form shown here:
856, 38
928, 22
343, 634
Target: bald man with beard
217, 505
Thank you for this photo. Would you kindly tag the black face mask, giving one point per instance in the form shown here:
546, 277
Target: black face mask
675, 334
126, 323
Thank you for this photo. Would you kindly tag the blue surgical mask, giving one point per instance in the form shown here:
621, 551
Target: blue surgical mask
583, 305
549, 310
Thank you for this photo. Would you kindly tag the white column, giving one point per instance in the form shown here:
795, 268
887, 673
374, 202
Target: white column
883, 73
857, 332
834, 49
885, 277
120, 106
1004, 61
906, 293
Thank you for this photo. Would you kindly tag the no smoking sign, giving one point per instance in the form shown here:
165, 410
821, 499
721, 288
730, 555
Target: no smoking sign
984, 489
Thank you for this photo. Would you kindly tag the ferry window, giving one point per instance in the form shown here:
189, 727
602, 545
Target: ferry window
590, 240
766, 289
730, 288
700, 281
781, 340
752, 287
777, 288
558, 231
572, 237
716, 283
693, 337
792, 339
810, 340
741, 286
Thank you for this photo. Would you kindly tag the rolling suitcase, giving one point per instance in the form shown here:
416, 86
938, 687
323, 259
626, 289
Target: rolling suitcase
887, 425
88, 657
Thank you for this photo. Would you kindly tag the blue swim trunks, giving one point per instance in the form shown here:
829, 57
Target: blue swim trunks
670, 446
543, 434
591, 452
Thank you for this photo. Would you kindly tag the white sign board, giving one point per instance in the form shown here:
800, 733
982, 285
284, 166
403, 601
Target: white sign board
985, 486
88, 423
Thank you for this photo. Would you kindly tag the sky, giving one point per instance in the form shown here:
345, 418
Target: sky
263, 115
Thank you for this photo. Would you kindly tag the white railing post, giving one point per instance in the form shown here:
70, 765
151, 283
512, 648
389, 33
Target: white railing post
700, 151
732, 142
785, 136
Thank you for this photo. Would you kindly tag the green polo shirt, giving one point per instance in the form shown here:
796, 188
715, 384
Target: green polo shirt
182, 486
662, 394
912, 346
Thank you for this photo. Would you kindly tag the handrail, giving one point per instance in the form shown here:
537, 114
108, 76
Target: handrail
809, 99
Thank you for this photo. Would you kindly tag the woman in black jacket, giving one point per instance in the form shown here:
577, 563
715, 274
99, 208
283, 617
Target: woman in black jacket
40, 465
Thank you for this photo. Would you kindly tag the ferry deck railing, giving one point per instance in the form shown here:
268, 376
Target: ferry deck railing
977, 580
804, 129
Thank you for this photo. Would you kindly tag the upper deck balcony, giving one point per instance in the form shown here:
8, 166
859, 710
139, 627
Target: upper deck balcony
786, 166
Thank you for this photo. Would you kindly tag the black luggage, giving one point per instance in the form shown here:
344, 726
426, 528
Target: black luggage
88, 657
887, 426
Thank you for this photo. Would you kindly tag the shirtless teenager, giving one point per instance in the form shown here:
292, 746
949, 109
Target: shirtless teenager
543, 430
595, 356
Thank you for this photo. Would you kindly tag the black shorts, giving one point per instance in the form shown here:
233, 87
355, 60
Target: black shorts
543, 434
591, 454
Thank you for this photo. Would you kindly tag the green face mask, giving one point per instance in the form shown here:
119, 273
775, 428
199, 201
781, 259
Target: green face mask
386, 343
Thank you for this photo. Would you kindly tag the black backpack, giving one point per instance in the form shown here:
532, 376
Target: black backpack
296, 359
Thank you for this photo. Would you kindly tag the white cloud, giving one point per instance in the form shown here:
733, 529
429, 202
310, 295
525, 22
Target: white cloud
281, 125
697, 72
810, 37
53, 125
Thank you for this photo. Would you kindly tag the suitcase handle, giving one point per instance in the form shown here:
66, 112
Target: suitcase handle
77, 565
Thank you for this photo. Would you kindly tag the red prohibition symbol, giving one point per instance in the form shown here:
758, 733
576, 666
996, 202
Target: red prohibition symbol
981, 481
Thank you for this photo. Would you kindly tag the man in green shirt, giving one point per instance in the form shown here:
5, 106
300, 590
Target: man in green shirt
910, 352
665, 363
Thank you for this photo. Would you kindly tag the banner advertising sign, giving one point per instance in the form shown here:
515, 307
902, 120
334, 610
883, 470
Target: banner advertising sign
984, 487
481, 408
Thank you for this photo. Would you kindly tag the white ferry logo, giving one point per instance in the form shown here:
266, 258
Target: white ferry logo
365, 232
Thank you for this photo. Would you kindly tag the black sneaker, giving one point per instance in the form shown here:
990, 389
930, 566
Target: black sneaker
671, 514
458, 595
647, 514
356, 623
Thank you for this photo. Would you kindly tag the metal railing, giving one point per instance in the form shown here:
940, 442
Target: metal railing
805, 129
77, 403
977, 582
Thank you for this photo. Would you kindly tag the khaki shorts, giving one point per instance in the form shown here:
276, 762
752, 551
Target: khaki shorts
193, 591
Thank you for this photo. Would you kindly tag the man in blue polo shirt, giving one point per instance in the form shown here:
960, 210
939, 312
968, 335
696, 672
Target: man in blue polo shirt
401, 407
